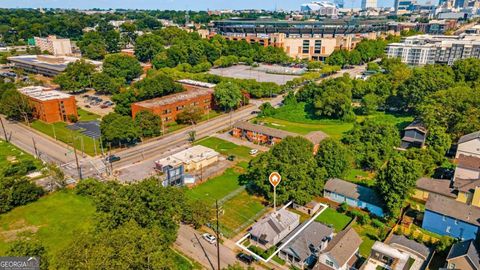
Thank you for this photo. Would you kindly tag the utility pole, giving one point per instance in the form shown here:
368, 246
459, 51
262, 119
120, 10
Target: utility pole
4, 131
218, 237
35, 147
79, 169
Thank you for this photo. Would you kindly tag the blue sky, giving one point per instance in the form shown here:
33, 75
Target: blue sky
171, 4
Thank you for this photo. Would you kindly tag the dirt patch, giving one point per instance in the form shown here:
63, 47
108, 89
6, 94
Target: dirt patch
18, 229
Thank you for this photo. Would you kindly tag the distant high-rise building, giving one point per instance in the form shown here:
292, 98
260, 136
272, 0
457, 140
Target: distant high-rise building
403, 6
339, 3
322, 8
366, 4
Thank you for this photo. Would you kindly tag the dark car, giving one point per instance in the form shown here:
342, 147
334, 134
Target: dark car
112, 158
231, 158
248, 259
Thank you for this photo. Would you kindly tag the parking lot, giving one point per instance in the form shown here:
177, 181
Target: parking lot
264, 73
98, 104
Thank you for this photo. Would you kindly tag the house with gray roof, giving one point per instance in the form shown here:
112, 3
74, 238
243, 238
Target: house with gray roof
341, 253
464, 255
415, 135
425, 186
341, 191
469, 145
271, 229
302, 250
259, 134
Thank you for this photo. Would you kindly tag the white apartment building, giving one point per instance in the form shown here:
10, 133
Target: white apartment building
54, 45
431, 49
366, 4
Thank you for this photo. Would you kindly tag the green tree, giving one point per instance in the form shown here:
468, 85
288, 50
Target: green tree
93, 45
112, 41
118, 129
338, 58
293, 159
149, 124
15, 106
122, 66
227, 95
190, 115
467, 70
396, 181
77, 76
334, 157
27, 248
103, 83
370, 104
16, 191
148, 46
438, 139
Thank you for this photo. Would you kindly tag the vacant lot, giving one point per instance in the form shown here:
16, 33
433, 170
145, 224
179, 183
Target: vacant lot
260, 74
226, 148
60, 131
53, 219
10, 154
300, 118
337, 220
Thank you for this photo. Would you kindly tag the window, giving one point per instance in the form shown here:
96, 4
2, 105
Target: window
306, 45
448, 229
443, 218
329, 263
318, 47
179, 108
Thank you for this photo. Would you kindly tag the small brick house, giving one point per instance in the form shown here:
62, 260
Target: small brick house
259, 134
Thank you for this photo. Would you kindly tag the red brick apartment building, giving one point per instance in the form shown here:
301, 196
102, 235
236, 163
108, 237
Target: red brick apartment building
50, 105
259, 134
198, 94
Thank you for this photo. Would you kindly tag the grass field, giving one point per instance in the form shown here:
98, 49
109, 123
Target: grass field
218, 187
300, 119
331, 217
369, 234
53, 219
359, 176
63, 134
226, 148
9, 153
84, 115
239, 212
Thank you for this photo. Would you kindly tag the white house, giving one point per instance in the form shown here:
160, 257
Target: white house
469, 145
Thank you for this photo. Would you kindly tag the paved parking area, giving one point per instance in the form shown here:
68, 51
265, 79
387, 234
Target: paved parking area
90, 128
83, 103
259, 73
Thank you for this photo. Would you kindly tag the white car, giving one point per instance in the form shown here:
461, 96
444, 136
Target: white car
253, 152
209, 238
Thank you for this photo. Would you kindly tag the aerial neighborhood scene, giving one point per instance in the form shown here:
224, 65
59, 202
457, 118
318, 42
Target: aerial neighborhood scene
238, 135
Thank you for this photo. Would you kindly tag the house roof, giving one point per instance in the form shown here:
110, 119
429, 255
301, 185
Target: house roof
353, 191
438, 186
469, 162
469, 137
465, 248
311, 236
344, 245
273, 224
176, 97
316, 136
264, 130
417, 125
450, 207
411, 246
466, 185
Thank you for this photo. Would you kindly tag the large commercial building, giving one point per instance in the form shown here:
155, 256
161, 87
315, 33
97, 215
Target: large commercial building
366, 4
431, 49
322, 8
54, 45
313, 40
47, 65
50, 105
197, 94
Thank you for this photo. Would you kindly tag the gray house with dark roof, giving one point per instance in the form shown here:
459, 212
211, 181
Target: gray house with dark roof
341, 191
271, 229
464, 255
415, 135
303, 250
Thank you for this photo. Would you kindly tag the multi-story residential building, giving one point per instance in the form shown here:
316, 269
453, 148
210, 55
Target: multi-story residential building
313, 40
432, 49
54, 45
403, 6
367, 4
50, 105
197, 94
322, 8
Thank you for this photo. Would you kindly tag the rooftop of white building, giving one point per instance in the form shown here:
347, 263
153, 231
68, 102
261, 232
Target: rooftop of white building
43, 93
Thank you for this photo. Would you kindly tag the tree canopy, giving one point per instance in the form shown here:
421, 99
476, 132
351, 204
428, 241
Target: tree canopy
122, 66
77, 76
227, 95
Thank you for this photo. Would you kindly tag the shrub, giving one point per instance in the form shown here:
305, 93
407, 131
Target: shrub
377, 223
342, 208
72, 118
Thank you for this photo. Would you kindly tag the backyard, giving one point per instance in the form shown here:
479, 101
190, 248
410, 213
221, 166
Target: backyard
300, 118
226, 148
53, 219
331, 217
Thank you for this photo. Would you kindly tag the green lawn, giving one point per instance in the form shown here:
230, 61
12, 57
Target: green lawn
9, 153
239, 212
216, 188
331, 217
226, 148
300, 119
359, 176
62, 133
369, 235
53, 219
85, 116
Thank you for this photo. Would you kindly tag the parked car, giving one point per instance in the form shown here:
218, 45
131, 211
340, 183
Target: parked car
231, 158
112, 158
253, 152
103, 106
87, 106
209, 238
248, 259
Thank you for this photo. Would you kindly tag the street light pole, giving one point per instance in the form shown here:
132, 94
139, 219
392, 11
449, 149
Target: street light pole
4, 131
218, 237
